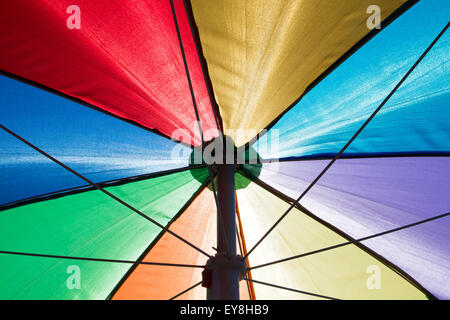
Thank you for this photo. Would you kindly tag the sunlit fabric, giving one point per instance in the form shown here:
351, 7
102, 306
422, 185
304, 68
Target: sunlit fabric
414, 120
262, 55
246, 288
124, 59
197, 225
88, 224
366, 196
341, 273
25, 173
116, 99
98, 146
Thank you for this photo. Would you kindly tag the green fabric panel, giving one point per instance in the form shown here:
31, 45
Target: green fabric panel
87, 224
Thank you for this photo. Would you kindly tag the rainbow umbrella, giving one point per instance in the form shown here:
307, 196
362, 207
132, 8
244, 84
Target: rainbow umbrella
335, 115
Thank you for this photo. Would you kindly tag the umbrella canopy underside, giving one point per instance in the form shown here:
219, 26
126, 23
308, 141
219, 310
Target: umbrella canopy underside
107, 204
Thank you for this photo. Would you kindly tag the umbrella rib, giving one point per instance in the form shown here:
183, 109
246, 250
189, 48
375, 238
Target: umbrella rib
351, 139
219, 212
241, 236
88, 187
86, 104
358, 156
102, 189
290, 289
154, 242
40, 255
376, 235
186, 290
357, 46
240, 250
340, 232
203, 67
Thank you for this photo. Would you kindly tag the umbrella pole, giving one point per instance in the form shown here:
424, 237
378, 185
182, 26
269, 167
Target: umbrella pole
227, 203
225, 266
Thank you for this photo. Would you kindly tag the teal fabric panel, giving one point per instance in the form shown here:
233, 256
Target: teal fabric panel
415, 120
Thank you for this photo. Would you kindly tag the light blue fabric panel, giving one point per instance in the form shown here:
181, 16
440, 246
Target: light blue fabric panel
416, 120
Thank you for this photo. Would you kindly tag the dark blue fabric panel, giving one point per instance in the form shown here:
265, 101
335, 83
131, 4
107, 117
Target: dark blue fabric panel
95, 144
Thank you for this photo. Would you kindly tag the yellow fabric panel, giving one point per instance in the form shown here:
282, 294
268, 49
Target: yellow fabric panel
340, 273
263, 54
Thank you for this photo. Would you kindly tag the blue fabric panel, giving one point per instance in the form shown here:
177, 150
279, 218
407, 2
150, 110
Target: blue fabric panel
97, 145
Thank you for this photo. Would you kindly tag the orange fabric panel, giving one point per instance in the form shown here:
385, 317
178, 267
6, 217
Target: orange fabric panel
243, 291
241, 238
197, 225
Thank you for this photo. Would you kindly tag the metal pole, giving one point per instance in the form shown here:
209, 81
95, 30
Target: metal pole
225, 266
224, 271
227, 203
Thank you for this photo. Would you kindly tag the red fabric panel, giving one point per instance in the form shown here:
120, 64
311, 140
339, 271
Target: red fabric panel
125, 59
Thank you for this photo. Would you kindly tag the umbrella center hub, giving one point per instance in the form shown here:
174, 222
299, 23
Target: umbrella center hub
222, 150
221, 262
